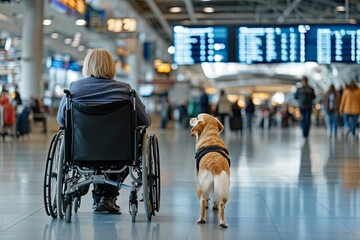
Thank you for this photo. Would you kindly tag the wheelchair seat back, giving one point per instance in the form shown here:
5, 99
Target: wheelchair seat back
103, 135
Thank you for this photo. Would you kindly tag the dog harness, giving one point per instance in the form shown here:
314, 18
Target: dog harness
204, 150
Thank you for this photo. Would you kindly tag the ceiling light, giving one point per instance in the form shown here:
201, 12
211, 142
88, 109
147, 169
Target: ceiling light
7, 44
340, 8
209, 10
47, 22
54, 35
171, 50
67, 40
352, 21
80, 22
175, 9
81, 48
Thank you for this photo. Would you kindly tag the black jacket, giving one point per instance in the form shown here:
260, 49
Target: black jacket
305, 96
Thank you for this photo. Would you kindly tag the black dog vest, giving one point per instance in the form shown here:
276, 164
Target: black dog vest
204, 150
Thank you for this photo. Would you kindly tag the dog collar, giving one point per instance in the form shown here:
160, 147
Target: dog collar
204, 150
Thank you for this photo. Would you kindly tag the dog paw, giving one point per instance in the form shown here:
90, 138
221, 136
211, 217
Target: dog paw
222, 225
201, 221
215, 208
206, 207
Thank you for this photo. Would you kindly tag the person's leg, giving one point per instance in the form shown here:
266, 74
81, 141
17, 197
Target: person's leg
346, 124
307, 122
335, 124
44, 124
109, 193
331, 123
303, 122
248, 121
96, 194
352, 119
222, 118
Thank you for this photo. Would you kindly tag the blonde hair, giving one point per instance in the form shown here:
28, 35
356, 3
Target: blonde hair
100, 64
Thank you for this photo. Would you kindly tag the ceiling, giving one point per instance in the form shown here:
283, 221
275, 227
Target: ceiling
240, 78
235, 77
157, 12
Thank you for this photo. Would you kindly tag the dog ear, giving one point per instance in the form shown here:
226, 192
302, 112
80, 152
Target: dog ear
197, 128
219, 125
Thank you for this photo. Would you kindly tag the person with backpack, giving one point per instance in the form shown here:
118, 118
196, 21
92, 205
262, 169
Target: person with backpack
305, 96
331, 103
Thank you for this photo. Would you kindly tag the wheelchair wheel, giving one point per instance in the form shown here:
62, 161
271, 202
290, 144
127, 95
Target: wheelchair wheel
145, 180
68, 213
47, 177
156, 173
60, 184
51, 172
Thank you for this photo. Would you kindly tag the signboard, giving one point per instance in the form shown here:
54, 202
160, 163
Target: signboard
200, 44
118, 25
323, 44
73, 7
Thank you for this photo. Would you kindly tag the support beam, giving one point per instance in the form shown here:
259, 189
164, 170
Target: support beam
346, 9
164, 23
288, 10
190, 11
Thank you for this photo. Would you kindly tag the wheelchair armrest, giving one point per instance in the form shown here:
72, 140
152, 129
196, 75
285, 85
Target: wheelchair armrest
61, 128
141, 129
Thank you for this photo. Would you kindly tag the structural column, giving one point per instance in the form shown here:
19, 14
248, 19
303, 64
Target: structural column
134, 60
32, 50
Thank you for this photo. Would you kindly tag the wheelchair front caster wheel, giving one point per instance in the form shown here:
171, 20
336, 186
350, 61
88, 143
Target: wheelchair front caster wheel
68, 213
133, 212
77, 202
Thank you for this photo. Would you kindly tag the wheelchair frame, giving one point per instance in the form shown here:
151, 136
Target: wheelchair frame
63, 178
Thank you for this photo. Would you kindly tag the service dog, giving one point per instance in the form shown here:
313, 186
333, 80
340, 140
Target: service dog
213, 165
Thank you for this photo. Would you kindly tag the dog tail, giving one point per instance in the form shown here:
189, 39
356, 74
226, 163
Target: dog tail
206, 180
221, 187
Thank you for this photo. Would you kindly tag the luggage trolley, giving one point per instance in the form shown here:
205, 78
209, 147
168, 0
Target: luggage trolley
99, 139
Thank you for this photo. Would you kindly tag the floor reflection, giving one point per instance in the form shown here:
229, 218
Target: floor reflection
281, 188
305, 174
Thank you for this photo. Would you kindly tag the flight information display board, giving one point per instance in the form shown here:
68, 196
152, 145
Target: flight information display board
300, 43
333, 43
200, 44
270, 44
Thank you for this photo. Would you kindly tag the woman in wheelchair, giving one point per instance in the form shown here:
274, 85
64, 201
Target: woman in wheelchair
99, 86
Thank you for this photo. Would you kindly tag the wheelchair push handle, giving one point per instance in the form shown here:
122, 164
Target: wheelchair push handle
67, 93
132, 92
132, 95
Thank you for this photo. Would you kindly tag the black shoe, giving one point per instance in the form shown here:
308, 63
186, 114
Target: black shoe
108, 205
96, 207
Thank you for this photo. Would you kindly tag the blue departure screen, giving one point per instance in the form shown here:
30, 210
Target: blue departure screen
333, 43
270, 44
200, 44
249, 44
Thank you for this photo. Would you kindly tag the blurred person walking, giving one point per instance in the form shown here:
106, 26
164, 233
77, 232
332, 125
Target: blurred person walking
224, 107
331, 103
305, 96
204, 106
350, 107
249, 113
7, 115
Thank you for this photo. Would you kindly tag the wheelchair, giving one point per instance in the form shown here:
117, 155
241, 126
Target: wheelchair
98, 140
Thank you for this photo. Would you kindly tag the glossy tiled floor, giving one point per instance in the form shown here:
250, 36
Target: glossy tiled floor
281, 188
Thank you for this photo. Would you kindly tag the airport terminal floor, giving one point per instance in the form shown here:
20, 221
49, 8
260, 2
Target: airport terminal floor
282, 187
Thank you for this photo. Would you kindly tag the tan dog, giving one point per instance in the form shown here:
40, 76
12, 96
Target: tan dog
214, 166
